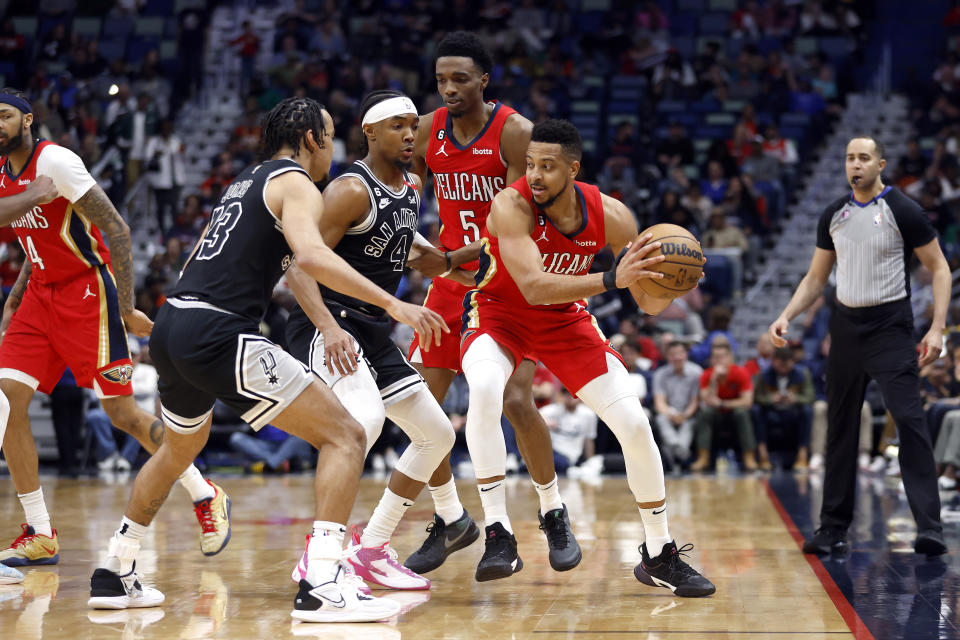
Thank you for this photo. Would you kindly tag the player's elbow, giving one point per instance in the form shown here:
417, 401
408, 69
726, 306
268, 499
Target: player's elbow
531, 292
311, 263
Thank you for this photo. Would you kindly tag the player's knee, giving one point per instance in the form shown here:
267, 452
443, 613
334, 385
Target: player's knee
353, 440
519, 407
17, 395
370, 415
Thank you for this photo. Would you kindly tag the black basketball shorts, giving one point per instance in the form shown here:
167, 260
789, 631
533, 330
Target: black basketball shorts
395, 376
203, 353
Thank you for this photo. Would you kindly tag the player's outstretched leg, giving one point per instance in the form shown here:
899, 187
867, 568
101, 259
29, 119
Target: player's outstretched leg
211, 504
661, 563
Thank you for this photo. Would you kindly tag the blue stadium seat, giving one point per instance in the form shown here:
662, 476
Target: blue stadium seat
691, 5
117, 27
7, 68
794, 119
714, 23
25, 25
683, 24
158, 8
112, 49
672, 106
712, 132
793, 132
87, 28
835, 47
686, 119
138, 46
718, 280
623, 107
591, 21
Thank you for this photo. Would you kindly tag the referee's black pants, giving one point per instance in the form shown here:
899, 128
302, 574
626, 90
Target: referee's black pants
876, 342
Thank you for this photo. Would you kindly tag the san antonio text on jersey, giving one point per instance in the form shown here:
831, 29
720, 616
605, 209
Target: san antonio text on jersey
378, 244
243, 253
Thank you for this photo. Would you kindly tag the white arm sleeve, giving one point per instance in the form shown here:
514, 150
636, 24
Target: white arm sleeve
66, 170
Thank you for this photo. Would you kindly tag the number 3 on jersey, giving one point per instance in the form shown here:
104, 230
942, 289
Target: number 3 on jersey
472, 231
32, 253
222, 221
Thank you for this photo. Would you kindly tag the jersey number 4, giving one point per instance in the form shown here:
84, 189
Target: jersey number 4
32, 252
222, 221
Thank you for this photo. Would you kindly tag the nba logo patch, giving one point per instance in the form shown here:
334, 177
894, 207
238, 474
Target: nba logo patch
876, 219
845, 214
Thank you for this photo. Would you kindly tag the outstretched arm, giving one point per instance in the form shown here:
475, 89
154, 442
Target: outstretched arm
807, 292
96, 207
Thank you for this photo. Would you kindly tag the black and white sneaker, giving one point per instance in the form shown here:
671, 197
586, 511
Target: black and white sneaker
565, 551
500, 559
670, 571
340, 600
109, 590
443, 540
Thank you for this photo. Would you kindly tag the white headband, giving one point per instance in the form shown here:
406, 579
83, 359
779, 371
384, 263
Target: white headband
398, 106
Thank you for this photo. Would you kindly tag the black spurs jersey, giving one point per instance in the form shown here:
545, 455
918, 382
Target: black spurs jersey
377, 245
242, 254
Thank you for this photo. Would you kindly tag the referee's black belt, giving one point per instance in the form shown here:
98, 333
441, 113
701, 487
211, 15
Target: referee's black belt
874, 311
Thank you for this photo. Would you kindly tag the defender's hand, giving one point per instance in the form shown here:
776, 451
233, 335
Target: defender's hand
428, 324
338, 351
138, 323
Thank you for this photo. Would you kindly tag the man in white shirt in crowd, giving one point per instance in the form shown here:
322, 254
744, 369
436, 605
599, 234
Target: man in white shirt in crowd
573, 429
676, 399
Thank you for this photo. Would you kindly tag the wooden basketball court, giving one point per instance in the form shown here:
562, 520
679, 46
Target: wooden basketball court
765, 586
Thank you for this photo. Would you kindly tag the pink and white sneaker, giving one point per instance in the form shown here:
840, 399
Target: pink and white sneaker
300, 572
379, 565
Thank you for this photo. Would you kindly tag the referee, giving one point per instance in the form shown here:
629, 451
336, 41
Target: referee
870, 235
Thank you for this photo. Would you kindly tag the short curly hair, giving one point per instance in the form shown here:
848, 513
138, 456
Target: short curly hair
560, 132
467, 45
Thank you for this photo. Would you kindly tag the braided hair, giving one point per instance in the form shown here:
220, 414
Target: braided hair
371, 99
287, 125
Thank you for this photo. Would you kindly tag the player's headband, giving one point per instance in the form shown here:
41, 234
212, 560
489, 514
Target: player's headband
399, 106
16, 101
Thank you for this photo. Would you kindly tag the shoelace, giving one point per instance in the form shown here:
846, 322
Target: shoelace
677, 564
205, 516
556, 530
349, 575
436, 534
24, 537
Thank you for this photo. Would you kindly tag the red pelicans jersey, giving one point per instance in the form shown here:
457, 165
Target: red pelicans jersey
466, 178
59, 242
563, 254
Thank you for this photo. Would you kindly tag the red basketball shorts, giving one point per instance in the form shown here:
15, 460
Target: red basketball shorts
76, 324
568, 342
446, 298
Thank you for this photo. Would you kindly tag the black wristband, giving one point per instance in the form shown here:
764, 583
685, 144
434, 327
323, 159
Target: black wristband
446, 256
610, 279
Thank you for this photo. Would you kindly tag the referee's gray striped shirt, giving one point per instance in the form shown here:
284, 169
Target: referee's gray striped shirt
873, 241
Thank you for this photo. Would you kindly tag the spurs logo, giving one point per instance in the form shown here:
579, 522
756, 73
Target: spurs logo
442, 149
269, 365
121, 374
88, 293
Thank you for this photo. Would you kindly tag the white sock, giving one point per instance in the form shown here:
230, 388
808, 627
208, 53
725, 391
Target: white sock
385, 519
655, 529
124, 546
549, 496
324, 551
36, 512
198, 488
493, 497
446, 502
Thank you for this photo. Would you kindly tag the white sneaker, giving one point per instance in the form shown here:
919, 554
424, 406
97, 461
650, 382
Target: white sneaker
300, 571
863, 461
122, 464
111, 591
109, 463
9, 575
878, 465
946, 483
816, 462
339, 600
893, 469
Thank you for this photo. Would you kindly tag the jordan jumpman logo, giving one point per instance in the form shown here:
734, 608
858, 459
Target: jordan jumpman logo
88, 293
543, 235
442, 149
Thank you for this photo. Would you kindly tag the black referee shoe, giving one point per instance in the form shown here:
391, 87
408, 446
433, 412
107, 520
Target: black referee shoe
669, 570
930, 542
826, 540
565, 552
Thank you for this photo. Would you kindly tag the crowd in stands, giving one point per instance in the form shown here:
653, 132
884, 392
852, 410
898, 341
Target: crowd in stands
692, 116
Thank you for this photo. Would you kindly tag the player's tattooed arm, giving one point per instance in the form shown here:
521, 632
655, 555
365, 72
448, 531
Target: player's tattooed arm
96, 207
16, 296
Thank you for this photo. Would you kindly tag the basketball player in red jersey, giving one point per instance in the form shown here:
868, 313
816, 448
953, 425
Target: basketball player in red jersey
541, 237
474, 149
70, 307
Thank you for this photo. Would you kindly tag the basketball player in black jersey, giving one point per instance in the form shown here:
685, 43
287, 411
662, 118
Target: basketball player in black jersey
206, 345
370, 220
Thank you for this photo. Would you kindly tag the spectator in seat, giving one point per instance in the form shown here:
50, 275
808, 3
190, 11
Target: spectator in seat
721, 235
271, 450
764, 355
676, 398
714, 186
573, 430
676, 149
783, 412
726, 395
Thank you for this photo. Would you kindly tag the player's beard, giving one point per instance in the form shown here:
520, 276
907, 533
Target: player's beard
405, 165
12, 144
546, 205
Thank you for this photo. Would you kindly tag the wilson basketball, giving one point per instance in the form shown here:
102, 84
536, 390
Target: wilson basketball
683, 266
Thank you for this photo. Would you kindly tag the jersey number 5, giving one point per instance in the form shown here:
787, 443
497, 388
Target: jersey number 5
222, 221
466, 222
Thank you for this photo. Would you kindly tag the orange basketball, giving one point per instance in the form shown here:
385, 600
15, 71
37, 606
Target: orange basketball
683, 266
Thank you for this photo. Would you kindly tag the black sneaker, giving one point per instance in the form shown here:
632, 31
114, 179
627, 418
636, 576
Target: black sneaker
826, 540
565, 552
443, 540
930, 542
670, 571
500, 559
